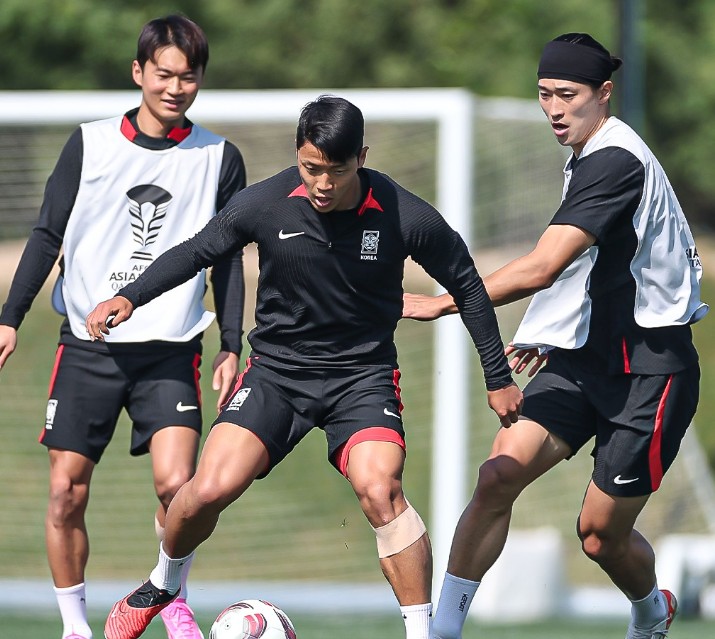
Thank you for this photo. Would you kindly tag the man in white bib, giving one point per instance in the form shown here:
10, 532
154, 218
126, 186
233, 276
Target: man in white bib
616, 278
124, 191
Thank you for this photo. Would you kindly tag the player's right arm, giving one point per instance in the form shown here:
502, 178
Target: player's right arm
44, 244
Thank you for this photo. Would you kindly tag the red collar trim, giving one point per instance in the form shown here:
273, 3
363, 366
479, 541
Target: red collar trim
299, 191
179, 135
176, 134
369, 203
127, 129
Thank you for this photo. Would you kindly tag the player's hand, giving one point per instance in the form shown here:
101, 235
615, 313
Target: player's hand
506, 403
106, 315
426, 307
225, 369
8, 342
523, 357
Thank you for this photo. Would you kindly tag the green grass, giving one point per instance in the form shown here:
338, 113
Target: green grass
344, 627
303, 522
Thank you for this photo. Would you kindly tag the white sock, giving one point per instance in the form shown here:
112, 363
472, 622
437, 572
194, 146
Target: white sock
417, 620
167, 573
73, 609
650, 610
160, 530
454, 602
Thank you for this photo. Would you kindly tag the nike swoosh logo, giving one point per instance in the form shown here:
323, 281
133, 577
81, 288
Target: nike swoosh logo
287, 236
182, 409
618, 480
390, 413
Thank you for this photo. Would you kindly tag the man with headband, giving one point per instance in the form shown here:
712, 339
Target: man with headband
616, 278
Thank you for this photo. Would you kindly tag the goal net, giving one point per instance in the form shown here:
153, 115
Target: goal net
493, 169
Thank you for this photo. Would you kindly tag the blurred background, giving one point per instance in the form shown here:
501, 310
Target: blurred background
302, 525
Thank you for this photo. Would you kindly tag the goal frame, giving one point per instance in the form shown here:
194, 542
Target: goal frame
452, 110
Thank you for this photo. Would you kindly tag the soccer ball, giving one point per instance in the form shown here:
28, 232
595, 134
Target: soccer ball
252, 619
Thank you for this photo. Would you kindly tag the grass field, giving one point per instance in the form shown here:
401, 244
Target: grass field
277, 532
328, 627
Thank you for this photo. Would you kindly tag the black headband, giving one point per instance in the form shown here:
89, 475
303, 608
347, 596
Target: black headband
562, 60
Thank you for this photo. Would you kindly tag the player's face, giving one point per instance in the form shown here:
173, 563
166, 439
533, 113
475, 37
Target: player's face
169, 87
574, 110
331, 186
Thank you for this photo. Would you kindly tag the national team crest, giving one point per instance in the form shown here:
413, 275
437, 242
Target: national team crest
238, 399
148, 204
370, 240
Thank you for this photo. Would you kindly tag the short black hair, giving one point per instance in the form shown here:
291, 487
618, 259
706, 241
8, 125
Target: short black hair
334, 126
178, 31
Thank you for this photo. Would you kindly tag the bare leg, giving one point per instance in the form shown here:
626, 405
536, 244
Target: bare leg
231, 459
519, 455
375, 473
173, 456
65, 531
608, 538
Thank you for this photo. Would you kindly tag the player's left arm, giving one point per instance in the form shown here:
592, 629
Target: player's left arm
434, 245
228, 285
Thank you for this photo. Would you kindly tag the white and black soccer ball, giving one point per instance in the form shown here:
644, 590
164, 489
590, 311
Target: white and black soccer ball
252, 619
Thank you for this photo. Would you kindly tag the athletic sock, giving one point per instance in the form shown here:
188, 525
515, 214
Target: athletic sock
454, 601
650, 610
167, 573
160, 530
73, 609
417, 620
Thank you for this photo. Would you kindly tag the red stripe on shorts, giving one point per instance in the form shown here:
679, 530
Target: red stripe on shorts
53, 377
238, 383
654, 454
371, 434
626, 361
396, 381
197, 375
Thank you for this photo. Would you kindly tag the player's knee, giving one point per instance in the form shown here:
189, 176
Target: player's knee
499, 481
602, 548
400, 533
67, 500
167, 487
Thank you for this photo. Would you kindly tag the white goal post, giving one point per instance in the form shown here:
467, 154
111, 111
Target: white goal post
453, 112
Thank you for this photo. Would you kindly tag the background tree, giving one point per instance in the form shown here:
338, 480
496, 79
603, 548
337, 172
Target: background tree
488, 46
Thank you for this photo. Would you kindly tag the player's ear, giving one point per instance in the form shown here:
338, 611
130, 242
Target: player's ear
604, 92
137, 73
362, 155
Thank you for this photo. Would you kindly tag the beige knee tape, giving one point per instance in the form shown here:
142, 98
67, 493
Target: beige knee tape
403, 531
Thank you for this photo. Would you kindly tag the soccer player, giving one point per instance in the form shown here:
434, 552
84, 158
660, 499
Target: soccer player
124, 190
332, 237
618, 281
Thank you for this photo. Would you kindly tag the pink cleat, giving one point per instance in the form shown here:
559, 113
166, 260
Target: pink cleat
179, 621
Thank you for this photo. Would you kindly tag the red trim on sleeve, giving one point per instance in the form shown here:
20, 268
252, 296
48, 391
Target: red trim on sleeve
655, 462
626, 361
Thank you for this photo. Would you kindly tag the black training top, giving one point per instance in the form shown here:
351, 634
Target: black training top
45, 241
330, 285
605, 190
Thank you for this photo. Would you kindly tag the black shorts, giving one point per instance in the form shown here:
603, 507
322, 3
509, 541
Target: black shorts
158, 386
282, 404
638, 421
